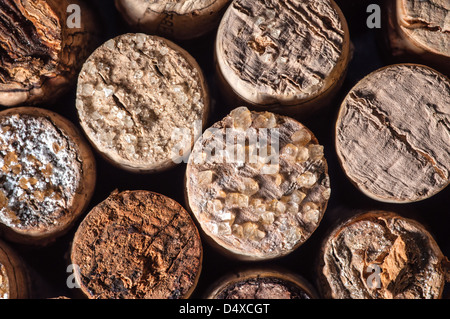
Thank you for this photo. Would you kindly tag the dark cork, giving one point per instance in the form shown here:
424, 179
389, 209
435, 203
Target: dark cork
137, 245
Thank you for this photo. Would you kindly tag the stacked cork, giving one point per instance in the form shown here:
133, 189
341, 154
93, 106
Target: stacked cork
224, 150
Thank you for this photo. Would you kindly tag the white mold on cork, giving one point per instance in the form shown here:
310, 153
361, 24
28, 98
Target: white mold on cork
47, 175
40, 172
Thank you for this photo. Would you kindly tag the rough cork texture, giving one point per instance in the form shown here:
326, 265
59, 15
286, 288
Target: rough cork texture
182, 19
14, 281
262, 285
409, 260
47, 174
282, 52
426, 24
40, 55
137, 244
269, 198
129, 124
393, 133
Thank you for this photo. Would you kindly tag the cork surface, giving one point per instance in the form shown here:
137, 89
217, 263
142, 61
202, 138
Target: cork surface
137, 244
409, 260
262, 288
40, 172
393, 133
182, 20
281, 51
4, 283
180, 7
253, 207
426, 23
41, 57
129, 124
14, 280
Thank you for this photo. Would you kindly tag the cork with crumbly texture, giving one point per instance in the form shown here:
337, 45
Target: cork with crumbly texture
133, 93
393, 133
182, 20
40, 55
282, 52
137, 244
409, 260
47, 172
265, 203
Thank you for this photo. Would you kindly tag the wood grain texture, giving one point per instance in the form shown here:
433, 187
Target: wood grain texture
393, 133
282, 52
40, 55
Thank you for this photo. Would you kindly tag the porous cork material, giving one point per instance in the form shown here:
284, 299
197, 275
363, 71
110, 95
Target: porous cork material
262, 284
137, 245
410, 264
258, 184
48, 175
419, 30
393, 133
41, 55
134, 92
181, 20
14, 277
284, 56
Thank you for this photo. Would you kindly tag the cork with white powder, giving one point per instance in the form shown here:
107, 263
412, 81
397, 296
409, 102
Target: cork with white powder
48, 175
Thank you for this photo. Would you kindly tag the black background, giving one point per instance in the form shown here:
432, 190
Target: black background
48, 264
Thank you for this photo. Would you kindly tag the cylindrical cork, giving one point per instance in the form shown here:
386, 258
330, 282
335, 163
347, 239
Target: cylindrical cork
14, 281
42, 49
381, 255
47, 173
393, 133
141, 101
181, 20
137, 245
258, 184
262, 284
283, 56
419, 31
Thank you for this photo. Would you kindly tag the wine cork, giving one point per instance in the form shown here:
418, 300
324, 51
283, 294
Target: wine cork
137, 245
14, 281
136, 93
41, 53
262, 284
419, 31
258, 184
48, 175
381, 255
392, 133
284, 56
180, 20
